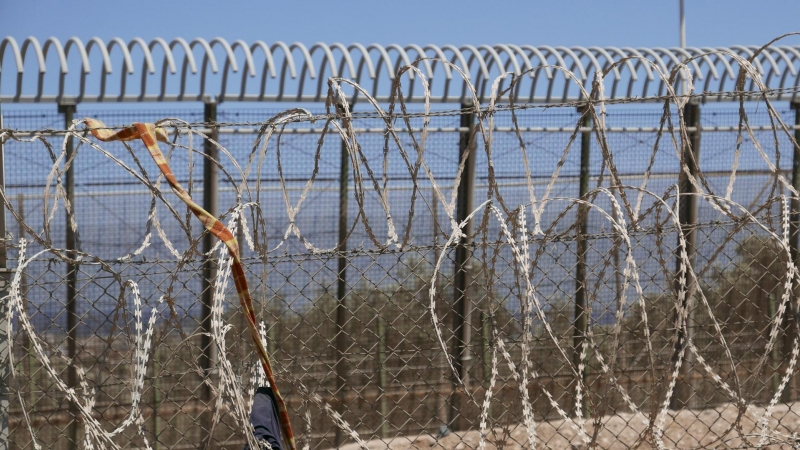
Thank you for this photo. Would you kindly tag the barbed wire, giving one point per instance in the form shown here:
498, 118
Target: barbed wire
519, 251
394, 114
282, 256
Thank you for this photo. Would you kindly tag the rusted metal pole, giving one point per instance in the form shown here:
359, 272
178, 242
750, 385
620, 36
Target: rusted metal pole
581, 323
68, 110
341, 341
687, 214
462, 306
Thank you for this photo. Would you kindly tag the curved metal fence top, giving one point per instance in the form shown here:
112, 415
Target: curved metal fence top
196, 70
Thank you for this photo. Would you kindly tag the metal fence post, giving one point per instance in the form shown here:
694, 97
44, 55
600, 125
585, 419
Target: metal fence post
486, 345
462, 305
687, 214
341, 341
774, 358
5, 278
581, 314
441, 410
210, 189
383, 407
68, 108
792, 320
156, 396
23, 289
210, 194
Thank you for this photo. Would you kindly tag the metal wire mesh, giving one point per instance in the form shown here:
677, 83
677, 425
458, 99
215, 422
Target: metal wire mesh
377, 342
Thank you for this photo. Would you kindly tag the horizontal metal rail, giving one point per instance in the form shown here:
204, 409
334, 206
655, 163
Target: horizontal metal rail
480, 185
249, 130
179, 70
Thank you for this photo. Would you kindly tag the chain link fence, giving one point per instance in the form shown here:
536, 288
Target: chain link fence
552, 323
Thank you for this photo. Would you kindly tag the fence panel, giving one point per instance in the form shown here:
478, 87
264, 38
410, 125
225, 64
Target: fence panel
382, 355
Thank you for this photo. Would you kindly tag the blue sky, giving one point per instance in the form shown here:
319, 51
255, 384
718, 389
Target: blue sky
647, 23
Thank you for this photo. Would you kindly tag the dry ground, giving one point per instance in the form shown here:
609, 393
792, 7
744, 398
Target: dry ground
686, 429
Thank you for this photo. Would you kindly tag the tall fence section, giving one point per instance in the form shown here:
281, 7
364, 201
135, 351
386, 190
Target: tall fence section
601, 271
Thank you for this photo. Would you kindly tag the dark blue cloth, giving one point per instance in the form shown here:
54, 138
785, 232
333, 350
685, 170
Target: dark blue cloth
264, 418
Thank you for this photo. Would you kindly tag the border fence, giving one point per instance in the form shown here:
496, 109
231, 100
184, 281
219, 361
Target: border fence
590, 272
